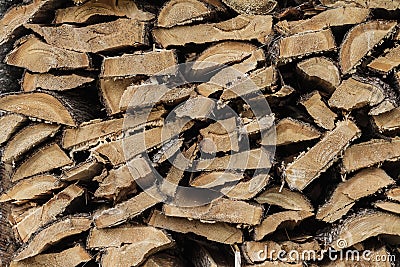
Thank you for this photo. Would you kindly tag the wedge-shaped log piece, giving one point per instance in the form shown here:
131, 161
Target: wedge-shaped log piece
387, 105
46, 159
28, 138
304, 44
371, 4
126, 210
362, 226
320, 71
361, 40
10, 124
388, 206
163, 260
90, 133
139, 63
219, 210
370, 153
43, 106
32, 188
388, 121
53, 234
181, 12
94, 8
356, 93
251, 6
218, 232
111, 90
37, 56
286, 219
364, 183
49, 212
341, 16
67, 258
394, 194
47, 81
215, 179
244, 28
83, 172
108, 36
289, 131
319, 111
309, 165
286, 199
245, 190
386, 63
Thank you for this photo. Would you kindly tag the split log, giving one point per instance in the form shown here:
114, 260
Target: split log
46, 159
67, 258
53, 234
319, 111
320, 71
49, 212
32, 188
304, 44
20, 211
219, 210
335, 17
102, 37
111, 90
207, 255
128, 246
11, 123
371, 4
386, 63
289, 131
94, 8
215, 179
90, 133
356, 92
163, 260
358, 228
27, 139
286, 219
370, 153
309, 165
252, 7
37, 56
140, 63
394, 194
361, 40
364, 183
244, 28
218, 232
245, 190
127, 209
388, 206
285, 199
182, 12
388, 121
46, 81
82, 172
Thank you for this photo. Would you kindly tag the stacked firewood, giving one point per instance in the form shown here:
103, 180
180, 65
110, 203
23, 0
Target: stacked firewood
112, 153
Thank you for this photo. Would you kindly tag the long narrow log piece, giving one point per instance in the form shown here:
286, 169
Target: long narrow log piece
10, 123
67, 258
140, 63
320, 71
83, 172
304, 44
244, 28
220, 211
28, 138
364, 183
32, 188
308, 166
319, 111
47, 213
356, 93
121, 33
369, 153
360, 40
388, 121
46, 81
341, 16
245, 190
287, 219
289, 131
218, 232
37, 56
94, 8
358, 228
286, 199
53, 234
386, 63
46, 159
388, 206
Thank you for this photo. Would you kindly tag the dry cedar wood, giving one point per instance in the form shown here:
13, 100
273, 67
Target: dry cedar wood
289, 95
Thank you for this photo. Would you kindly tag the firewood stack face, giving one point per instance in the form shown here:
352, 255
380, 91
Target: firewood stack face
200, 133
